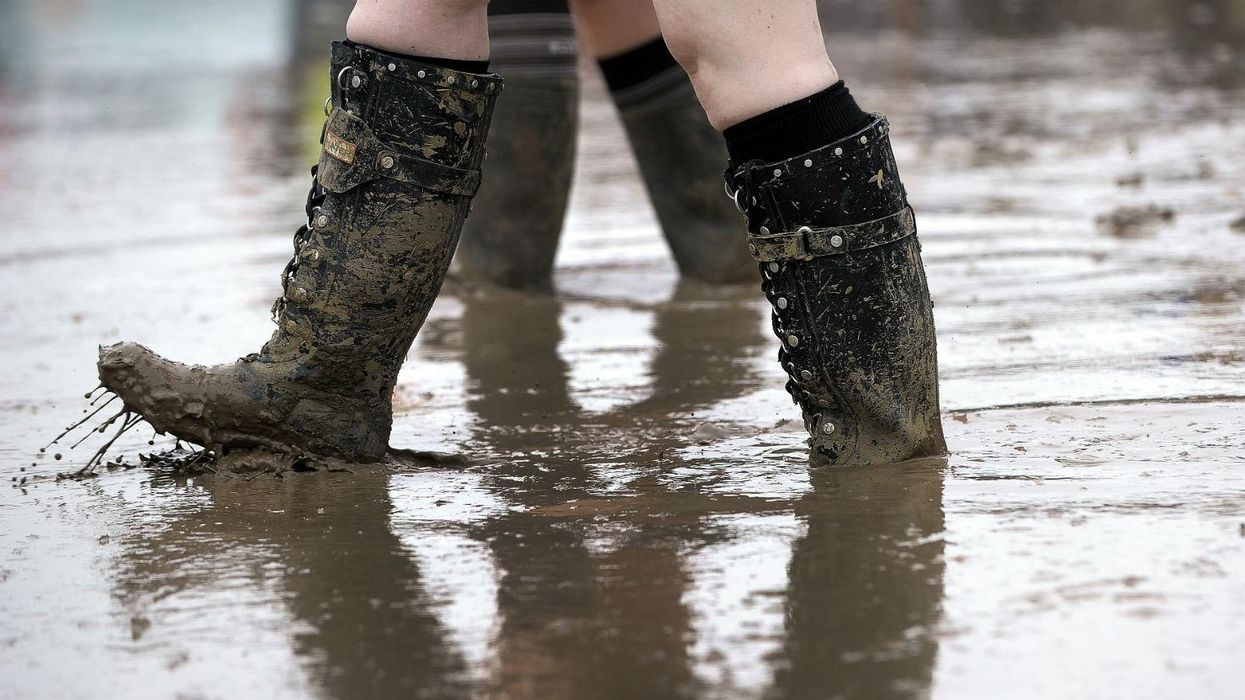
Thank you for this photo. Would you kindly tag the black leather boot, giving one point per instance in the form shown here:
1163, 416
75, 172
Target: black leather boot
841, 265
401, 159
512, 237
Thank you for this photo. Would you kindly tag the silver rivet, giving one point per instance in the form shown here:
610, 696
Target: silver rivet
782, 302
386, 162
451, 80
864, 140
838, 151
793, 341
298, 294
764, 231
827, 428
355, 81
808, 163
773, 267
392, 67
806, 375
777, 172
475, 83
311, 255
836, 241
290, 327
421, 74
322, 221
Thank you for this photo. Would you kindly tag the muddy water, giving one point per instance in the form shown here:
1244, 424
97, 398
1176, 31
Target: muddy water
627, 514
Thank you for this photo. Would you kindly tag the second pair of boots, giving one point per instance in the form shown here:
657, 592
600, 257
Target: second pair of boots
400, 163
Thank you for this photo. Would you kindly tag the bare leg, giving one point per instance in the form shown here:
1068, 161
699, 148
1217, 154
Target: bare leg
442, 28
611, 27
746, 57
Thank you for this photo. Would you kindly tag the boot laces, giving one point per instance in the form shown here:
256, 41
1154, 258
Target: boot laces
315, 198
746, 199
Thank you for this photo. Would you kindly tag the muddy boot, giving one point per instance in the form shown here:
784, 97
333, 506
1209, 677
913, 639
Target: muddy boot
401, 158
512, 237
680, 157
841, 265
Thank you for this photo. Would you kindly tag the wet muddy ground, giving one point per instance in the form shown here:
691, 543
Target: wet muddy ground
627, 512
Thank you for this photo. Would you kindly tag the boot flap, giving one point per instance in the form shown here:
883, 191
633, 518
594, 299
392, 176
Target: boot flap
353, 155
807, 242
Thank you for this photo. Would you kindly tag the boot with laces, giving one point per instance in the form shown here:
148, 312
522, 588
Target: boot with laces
401, 159
841, 266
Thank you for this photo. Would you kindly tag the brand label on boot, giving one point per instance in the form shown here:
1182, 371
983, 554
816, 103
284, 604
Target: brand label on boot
339, 148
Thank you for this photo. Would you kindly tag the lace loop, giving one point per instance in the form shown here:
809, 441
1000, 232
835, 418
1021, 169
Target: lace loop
315, 198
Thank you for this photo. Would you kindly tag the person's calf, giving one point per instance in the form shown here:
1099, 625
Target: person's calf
424, 29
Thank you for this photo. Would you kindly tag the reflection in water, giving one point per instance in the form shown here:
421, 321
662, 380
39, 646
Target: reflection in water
865, 584
590, 605
364, 624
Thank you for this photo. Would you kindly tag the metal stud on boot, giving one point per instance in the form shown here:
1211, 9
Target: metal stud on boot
841, 265
401, 158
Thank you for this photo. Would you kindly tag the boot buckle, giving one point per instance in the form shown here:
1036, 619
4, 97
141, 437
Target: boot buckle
780, 247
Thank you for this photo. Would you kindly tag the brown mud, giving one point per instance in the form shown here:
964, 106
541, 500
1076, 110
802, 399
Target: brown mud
621, 506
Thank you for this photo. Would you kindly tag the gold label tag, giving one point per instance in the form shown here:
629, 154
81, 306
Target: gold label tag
339, 148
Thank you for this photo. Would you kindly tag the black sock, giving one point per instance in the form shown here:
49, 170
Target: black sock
637, 65
797, 127
525, 7
451, 63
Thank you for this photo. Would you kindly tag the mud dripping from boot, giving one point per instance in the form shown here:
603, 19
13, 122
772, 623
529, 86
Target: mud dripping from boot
125, 419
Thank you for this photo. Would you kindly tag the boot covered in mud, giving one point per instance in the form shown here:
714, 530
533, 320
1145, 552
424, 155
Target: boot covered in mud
680, 156
401, 159
512, 239
841, 265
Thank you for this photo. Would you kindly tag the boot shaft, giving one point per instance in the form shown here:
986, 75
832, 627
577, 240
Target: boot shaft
401, 154
512, 238
680, 156
836, 244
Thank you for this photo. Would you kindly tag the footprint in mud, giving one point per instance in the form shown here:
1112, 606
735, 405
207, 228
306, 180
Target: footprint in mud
1135, 221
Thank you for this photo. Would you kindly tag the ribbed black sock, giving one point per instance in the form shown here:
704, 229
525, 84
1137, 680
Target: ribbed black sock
451, 63
637, 65
797, 127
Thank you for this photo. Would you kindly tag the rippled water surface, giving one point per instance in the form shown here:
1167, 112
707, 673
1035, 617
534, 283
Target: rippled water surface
629, 514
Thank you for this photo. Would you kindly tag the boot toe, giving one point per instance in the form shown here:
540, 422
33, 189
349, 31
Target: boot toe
151, 386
